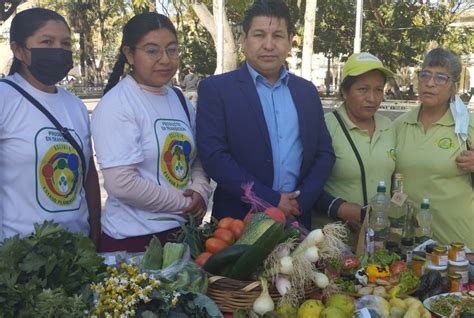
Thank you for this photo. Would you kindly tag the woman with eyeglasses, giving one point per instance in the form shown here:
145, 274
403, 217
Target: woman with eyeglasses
433, 143
143, 131
44, 175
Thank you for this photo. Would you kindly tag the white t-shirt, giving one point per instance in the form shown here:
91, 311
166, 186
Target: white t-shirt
40, 172
131, 126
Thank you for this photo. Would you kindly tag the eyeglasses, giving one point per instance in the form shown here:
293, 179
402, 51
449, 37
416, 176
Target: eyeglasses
439, 78
156, 52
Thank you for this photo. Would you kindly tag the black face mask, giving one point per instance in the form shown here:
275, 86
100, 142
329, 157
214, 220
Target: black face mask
50, 65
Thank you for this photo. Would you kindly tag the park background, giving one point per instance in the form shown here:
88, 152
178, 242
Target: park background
328, 31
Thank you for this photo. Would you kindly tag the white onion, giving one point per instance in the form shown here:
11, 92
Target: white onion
312, 254
286, 265
282, 284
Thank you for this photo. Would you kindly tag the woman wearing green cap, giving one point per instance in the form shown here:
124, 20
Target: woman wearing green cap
358, 132
434, 149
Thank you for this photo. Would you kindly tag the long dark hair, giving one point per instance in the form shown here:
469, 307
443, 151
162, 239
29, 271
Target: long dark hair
25, 24
135, 29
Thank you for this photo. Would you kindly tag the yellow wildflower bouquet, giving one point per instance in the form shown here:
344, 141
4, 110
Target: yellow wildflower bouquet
129, 292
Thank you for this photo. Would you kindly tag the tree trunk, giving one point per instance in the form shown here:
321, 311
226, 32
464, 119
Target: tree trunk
208, 20
308, 39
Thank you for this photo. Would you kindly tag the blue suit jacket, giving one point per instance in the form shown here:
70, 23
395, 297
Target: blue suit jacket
234, 144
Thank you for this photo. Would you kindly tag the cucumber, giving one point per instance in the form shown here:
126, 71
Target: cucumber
219, 261
257, 253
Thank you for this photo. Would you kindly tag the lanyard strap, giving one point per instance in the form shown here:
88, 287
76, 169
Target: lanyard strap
356, 153
63, 130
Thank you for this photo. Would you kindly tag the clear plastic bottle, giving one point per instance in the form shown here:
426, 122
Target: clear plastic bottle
397, 210
379, 221
424, 219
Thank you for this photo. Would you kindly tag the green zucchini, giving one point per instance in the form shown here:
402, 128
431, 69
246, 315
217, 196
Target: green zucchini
217, 262
257, 253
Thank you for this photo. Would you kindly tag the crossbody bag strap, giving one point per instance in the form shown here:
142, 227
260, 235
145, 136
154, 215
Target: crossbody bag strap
183, 102
356, 153
64, 131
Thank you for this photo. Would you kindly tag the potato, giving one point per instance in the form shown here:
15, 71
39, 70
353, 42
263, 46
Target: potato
365, 290
385, 303
379, 291
412, 313
397, 312
410, 300
397, 302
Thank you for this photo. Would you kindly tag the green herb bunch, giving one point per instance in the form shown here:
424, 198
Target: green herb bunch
51, 268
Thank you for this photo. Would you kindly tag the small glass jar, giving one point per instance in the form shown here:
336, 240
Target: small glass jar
439, 257
429, 249
461, 268
456, 252
456, 285
418, 263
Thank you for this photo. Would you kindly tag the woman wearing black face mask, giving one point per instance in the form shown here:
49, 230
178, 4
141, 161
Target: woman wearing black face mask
46, 168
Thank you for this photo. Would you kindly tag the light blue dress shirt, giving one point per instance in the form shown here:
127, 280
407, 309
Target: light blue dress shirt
283, 128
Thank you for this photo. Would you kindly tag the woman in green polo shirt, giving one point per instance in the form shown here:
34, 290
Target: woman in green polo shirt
432, 149
362, 89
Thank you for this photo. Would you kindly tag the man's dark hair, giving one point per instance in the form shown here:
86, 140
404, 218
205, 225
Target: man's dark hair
268, 8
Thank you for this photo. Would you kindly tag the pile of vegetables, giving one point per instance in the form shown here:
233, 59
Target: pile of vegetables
293, 266
166, 283
384, 275
47, 274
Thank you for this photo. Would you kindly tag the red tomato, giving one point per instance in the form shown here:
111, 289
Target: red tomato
202, 258
225, 234
225, 222
214, 245
276, 214
350, 262
237, 227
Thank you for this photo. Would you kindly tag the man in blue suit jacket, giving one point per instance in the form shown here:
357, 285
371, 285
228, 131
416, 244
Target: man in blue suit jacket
263, 125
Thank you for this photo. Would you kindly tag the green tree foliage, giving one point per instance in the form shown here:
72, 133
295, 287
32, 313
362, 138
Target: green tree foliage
197, 50
97, 24
334, 33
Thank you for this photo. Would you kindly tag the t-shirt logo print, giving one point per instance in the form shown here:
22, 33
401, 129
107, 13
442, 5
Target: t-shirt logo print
175, 161
59, 172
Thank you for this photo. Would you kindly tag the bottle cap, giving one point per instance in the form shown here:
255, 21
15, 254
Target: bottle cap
425, 203
407, 241
381, 186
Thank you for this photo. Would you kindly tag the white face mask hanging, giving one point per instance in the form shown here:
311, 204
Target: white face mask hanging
461, 119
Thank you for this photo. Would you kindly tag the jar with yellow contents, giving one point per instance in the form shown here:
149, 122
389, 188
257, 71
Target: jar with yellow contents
456, 252
439, 257
456, 285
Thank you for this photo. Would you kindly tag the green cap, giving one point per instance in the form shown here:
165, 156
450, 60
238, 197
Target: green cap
360, 63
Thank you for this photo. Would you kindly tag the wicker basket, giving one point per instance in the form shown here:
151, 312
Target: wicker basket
230, 294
